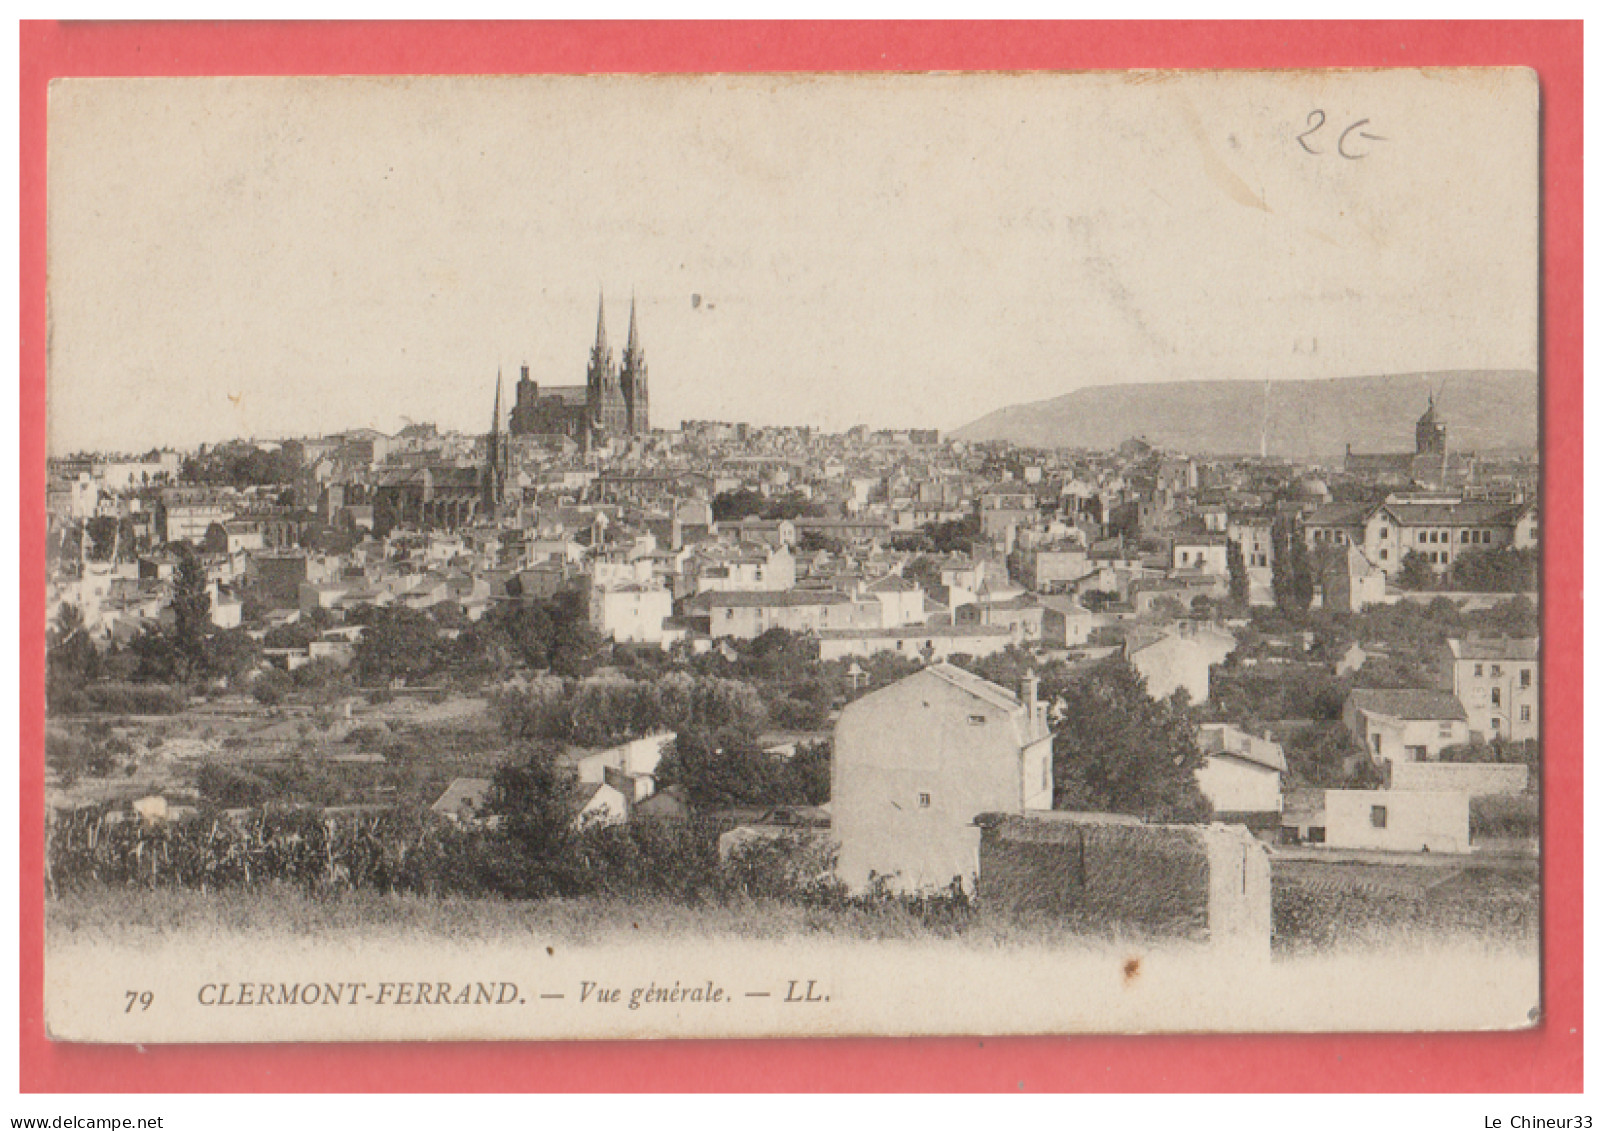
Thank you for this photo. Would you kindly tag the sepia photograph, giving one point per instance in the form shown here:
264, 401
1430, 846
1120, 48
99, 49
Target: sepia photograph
634, 556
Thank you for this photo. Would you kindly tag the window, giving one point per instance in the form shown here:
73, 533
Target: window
1480, 670
1497, 696
1377, 816
1525, 714
1525, 677
1383, 555
1497, 670
976, 720
923, 801
1497, 723
1046, 767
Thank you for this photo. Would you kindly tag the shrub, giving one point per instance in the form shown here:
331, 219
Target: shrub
270, 687
135, 698
1516, 816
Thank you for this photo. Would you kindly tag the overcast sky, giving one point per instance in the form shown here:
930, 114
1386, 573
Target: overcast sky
278, 257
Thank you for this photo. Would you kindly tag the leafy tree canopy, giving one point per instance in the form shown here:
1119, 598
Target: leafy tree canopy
1116, 749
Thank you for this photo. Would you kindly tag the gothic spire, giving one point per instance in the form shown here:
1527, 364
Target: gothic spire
495, 417
633, 348
601, 328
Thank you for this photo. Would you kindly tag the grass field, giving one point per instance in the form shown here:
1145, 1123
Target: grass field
883, 971
138, 916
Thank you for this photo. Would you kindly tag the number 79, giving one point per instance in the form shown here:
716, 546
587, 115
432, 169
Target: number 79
141, 998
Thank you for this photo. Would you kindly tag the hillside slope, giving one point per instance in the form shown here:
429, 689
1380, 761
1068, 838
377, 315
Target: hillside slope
1484, 410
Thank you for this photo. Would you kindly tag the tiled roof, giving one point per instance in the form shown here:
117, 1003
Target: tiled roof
470, 793
1409, 703
1337, 514
1496, 648
1452, 514
975, 686
783, 599
916, 632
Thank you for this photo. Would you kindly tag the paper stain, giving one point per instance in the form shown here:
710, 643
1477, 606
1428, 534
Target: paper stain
1214, 166
1132, 970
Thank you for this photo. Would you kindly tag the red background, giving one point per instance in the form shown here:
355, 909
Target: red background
1542, 1059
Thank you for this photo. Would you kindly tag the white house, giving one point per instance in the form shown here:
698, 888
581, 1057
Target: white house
1180, 658
600, 803
917, 761
1201, 553
633, 763
1498, 681
1391, 820
1241, 777
1409, 725
931, 643
631, 613
901, 601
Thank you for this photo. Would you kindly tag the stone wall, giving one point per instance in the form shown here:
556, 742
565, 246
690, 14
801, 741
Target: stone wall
1206, 883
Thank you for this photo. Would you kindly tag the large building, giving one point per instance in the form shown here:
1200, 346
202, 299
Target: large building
614, 401
1440, 528
1429, 463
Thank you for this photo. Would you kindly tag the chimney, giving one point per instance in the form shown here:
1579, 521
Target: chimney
1029, 688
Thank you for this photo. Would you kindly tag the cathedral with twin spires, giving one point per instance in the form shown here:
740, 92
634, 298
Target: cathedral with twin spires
614, 402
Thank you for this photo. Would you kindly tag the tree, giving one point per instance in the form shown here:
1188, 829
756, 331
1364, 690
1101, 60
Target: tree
574, 646
1319, 754
396, 642
725, 768
71, 655
1291, 573
1280, 567
1116, 749
535, 798
1302, 575
732, 506
1496, 571
231, 654
809, 771
191, 614
1416, 572
1236, 563
271, 686
957, 536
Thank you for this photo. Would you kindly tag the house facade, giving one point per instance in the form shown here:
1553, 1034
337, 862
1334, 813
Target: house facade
1182, 658
1498, 682
1390, 820
916, 762
748, 615
1241, 776
1405, 726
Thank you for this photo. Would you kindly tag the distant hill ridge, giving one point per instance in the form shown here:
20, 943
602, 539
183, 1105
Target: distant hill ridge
1485, 410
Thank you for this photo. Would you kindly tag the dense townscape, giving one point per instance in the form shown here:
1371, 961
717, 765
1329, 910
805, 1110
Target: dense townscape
584, 653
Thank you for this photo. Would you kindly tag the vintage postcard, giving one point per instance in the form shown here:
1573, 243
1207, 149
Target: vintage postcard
660, 556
